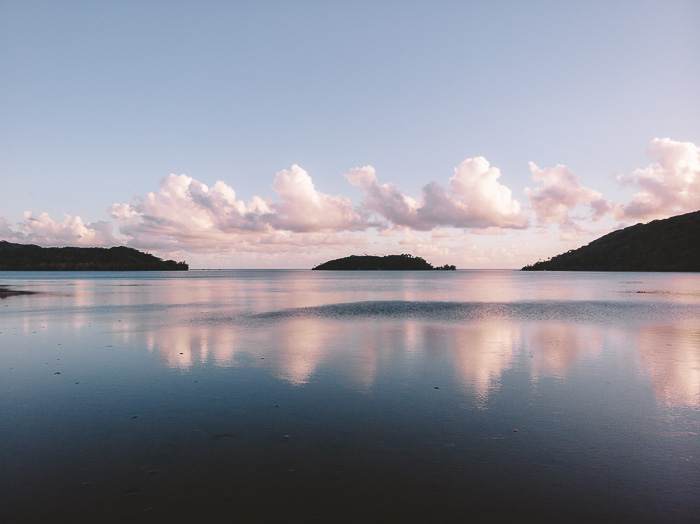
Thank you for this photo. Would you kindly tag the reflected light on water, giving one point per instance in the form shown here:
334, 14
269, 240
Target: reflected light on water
185, 345
556, 347
479, 351
671, 356
555, 397
301, 345
482, 351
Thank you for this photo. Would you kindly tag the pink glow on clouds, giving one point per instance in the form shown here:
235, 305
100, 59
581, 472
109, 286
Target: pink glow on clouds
71, 231
303, 208
186, 218
559, 194
669, 186
475, 200
192, 216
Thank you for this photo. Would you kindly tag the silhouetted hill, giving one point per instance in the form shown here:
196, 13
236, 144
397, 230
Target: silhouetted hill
28, 257
386, 263
672, 244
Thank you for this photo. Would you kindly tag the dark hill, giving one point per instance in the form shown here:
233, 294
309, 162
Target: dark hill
28, 257
672, 244
386, 263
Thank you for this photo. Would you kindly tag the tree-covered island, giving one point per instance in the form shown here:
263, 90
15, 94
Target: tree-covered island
28, 257
403, 262
672, 244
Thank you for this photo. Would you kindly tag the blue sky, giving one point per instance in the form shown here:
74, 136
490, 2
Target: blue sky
100, 101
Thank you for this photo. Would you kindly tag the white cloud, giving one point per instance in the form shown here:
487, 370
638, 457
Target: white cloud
670, 185
300, 226
303, 208
6, 232
386, 199
476, 200
559, 194
71, 231
188, 214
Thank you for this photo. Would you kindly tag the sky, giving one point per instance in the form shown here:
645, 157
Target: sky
281, 134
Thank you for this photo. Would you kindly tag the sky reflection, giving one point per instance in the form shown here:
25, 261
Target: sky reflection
297, 324
670, 355
478, 352
398, 385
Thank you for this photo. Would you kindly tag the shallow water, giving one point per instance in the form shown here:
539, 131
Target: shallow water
498, 395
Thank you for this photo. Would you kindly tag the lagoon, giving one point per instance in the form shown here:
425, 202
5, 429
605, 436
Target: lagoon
258, 395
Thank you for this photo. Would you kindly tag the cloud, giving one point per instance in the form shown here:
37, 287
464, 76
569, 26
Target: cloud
6, 232
300, 226
303, 208
387, 200
187, 213
71, 231
475, 200
670, 185
559, 194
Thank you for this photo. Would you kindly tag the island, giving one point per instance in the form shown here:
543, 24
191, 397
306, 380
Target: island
29, 257
672, 244
403, 262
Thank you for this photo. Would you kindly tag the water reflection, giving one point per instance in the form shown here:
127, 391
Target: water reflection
481, 352
347, 325
555, 347
300, 347
671, 357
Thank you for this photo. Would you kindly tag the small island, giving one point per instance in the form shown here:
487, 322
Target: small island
672, 244
403, 262
29, 257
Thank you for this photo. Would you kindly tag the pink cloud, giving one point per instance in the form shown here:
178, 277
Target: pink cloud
303, 208
475, 200
386, 199
71, 231
559, 194
670, 185
7, 233
185, 212
186, 218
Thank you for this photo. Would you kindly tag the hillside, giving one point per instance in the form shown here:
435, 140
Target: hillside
385, 263
28, 257
672, 244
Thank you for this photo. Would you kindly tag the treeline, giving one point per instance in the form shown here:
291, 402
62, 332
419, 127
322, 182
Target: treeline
28, 257
403, 262
672, 244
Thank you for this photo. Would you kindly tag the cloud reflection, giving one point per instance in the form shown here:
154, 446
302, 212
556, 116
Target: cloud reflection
362, 353
184, 345
556, 346
671, 357
481, 351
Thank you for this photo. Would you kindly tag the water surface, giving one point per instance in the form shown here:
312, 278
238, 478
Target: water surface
498, 395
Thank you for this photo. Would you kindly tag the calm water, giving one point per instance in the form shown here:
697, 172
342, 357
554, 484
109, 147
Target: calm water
261, 395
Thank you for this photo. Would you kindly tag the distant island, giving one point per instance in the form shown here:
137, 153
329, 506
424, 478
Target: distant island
672, 244
28, 257
386, 263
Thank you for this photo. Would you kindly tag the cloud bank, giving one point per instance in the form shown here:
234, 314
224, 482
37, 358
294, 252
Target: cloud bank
185, 215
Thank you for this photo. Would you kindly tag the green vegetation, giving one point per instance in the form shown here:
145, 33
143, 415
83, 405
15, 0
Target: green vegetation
28, 257
672, 244
387, 263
